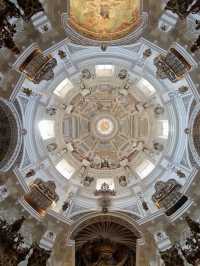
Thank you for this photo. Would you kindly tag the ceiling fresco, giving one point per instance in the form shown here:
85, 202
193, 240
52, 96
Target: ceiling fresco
104, 20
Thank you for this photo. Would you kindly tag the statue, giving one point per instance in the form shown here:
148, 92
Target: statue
85, 74
158, 110
51, 111
123, 74
104, 46
180, 174
147, 53
183, 89
123, 181
30, 173
62, 54
158, 146
87, 180
27, 91
51, 147
103, 252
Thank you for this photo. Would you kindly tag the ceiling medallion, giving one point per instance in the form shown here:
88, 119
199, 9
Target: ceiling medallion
104, 127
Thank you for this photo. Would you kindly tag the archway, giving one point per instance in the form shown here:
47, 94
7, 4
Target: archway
105, 239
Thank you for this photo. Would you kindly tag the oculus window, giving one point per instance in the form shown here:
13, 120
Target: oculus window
145, 168
65, 169
63, 88
146, 87
46, 128
104, 70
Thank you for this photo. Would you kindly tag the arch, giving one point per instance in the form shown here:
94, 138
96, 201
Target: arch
108, 238
194, 135
116, 217
10, 135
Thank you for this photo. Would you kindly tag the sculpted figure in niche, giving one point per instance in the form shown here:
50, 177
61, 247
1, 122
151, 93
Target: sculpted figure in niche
68, 202
30, 173
51, 147
147, 53
3, 192
62, 54
27, 91
123, 181
158, 146
183, 89
104, 46
85, 74
65, 205
159, 110
123, 74
51, 111
104, 253
108, 261
87, 181
180, 174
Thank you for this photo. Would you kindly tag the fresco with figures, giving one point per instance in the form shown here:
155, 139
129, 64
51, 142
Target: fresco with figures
104, 19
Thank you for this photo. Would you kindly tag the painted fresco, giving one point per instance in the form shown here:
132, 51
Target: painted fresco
104, 19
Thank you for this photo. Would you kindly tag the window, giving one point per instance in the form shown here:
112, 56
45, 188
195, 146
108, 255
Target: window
104, 70
108, 181
145, 169
163, 129
146, 87
63, 88
65, 169
46, 128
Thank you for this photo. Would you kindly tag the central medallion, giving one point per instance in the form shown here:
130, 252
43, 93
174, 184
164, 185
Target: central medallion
104, 126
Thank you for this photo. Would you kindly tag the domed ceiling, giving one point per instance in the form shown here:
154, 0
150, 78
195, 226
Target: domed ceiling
100, 132
108, 130
100, 126
104, 20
